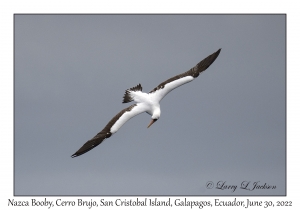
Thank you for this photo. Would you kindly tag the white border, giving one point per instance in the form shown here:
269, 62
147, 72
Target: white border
9, 8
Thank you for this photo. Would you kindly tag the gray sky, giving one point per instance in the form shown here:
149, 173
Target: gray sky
228, 125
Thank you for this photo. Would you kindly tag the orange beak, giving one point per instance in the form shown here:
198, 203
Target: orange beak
151, 122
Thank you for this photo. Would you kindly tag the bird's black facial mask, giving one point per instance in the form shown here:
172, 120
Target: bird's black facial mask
151, 122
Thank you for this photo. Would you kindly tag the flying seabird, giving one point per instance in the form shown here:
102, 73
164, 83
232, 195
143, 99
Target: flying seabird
146, 102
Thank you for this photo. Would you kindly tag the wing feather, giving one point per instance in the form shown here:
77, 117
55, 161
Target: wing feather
112, 127
185, 77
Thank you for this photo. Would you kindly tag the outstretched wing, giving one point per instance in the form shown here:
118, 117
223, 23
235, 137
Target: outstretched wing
165, 87
112, 127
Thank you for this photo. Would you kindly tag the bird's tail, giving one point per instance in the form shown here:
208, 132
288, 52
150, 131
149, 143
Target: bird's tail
127, 96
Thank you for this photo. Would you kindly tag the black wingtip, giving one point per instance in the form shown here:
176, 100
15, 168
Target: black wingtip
92, 143
218, 51
82, 150
74, 155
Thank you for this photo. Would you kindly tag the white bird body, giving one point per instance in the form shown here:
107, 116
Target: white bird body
146, 102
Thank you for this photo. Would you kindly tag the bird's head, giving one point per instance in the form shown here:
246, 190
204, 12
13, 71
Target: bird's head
151, 122
154, 117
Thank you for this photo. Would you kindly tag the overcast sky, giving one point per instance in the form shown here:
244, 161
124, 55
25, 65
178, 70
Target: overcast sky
227, 126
